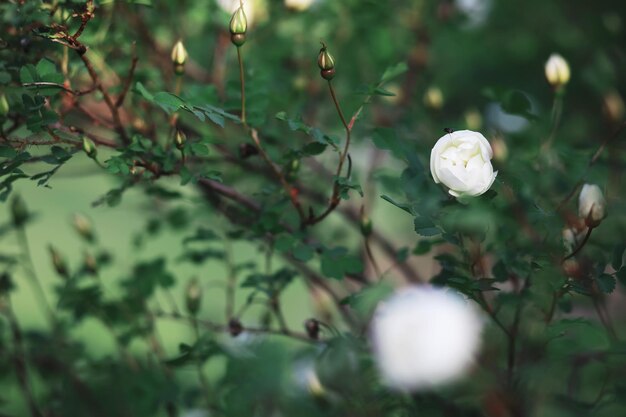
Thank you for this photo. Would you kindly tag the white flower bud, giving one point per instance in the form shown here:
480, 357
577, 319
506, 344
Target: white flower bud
433, 98
299, 5
557, 70
461, 160
591, 205
424, 336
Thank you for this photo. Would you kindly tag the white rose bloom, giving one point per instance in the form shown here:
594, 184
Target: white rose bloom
299, 5
461, 160
591, 205
424, 336
557, 70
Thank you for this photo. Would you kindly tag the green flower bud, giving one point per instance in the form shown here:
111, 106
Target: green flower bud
58, 262
19, 211
4, 105
238, 26
180, 139
83, 226
89, 147
326, 62
366, 225
193, 296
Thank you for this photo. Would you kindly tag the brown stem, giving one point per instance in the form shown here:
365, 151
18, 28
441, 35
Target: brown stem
243, 86
129, 79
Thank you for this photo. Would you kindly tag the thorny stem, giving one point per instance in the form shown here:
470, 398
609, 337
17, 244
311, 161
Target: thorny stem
243, 86
334, 199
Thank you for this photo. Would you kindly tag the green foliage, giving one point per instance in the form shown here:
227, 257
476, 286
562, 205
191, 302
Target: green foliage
264, 208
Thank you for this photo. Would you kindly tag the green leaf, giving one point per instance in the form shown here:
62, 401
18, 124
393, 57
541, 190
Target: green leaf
299, 126
394, 71
336, 263
606, 283
425, 227
202, 234
168, 101
402, 206
145, 93
303, 252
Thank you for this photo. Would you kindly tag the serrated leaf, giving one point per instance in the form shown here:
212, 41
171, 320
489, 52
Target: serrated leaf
606, 283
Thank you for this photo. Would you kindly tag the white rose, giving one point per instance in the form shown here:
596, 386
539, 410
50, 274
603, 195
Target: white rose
591, 205
461, 160
557, 70
424, 336
299, 5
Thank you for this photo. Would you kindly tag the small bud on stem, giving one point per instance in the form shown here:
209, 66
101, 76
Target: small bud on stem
179, 58
58, 262
89, 147
326, 62
193, 296
238, 26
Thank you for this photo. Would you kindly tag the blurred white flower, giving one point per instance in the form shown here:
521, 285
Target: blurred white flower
299, 5
305, 377
557, 70
461, 160
506, 122
477, 11
424, 336
229, 6
591, 205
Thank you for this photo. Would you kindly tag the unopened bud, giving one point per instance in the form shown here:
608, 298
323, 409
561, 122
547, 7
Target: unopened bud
90, 264
179, 57
500, 150
557, 71
326, 62
298, 5
366, 225
4, 105
473, 119
433, 98
180, 139
614, 106
238, 26
234, 327
193, 296
572, 268
19, 212
89, 147
591, 205
83, 226
312, 327
58, 262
